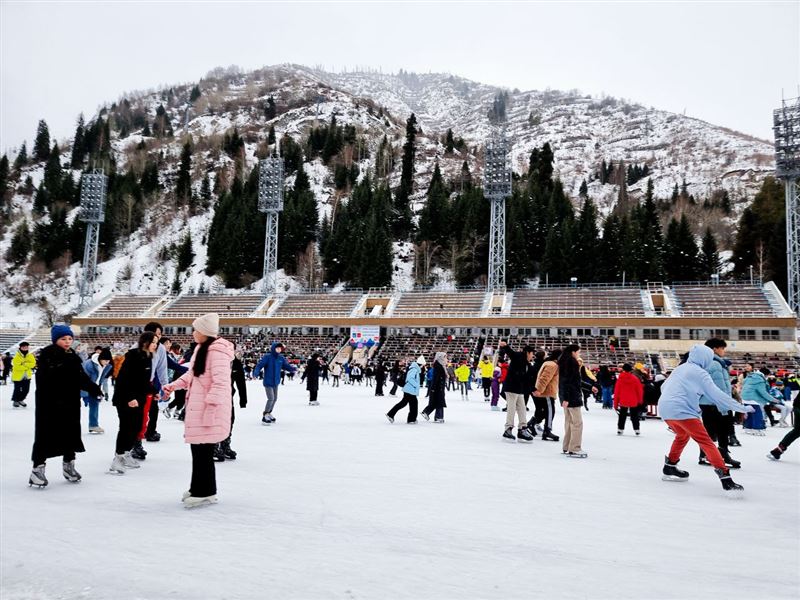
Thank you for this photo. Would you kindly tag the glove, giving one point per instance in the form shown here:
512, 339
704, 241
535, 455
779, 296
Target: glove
242, 403
749, 409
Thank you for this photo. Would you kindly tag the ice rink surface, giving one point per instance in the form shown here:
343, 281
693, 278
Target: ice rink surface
334, 502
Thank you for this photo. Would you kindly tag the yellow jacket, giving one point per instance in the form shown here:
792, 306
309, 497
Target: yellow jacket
487, 369
462, 373
22, 366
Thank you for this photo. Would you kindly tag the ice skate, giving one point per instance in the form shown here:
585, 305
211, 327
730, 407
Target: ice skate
129, 462
496, 408
728, 484
637, 432
425, 415
619, 431
153, 437
313, 403
37, 477
230, 453
729, 460
672, 473
390, 419
96, 430
219, 453
194, 502
17, 404
185, 495
22, 404
733, 440
138, 452
70, 474
703, 461
117, 465
523, 435
549, 436
507, 435
775, 454
167, 412
578, 454
438, 420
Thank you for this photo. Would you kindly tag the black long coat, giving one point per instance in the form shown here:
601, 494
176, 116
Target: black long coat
311, 374
59, 380
438, 385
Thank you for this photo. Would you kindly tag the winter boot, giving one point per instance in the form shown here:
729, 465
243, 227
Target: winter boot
671, 472
733, 441
523, 435
728, 484
775, 454
129, 462
230, 453
507, 435
70, 474
37, 477
550, 436
219, 453
117, 465
729, 460
138, 452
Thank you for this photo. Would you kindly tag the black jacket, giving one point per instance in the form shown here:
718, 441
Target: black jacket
311, 374
59, 380
133, 381
238, 381
569, 382
438, 385
518, 374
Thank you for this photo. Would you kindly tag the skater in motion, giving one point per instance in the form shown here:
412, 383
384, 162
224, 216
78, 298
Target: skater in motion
486, 367
98, 367
775, 453
411, 383
436, 400
22, 366
516, 386
208, 406
273, 364
59, 380
571, 395
130, 398
628, 397
544, 396
716, 422
679, 406
311, 375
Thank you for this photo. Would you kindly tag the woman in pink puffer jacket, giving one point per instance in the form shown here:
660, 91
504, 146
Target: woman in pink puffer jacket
208, 405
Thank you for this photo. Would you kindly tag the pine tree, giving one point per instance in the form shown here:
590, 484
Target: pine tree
41, 147
78, 145
585, 243
185, 254
22, 157
183, 186
435, 218
195, 94
270, 112
610, 251
271, 135
53, 174
650, 251
205, 192
401, 222
680, 251
449, 142
20, 248
5, 172
709, 260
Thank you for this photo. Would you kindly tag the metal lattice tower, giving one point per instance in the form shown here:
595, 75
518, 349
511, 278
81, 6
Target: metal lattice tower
786, 125
496, 188
93, 213
270, 201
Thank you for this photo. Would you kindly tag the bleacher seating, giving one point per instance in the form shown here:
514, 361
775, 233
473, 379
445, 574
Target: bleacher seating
439, 303
398, 347
595, 351
710, 299
222, 304
323, 304
10, 338
125, 306
577, 301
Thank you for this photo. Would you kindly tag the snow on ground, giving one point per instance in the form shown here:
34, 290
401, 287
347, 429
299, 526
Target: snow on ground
334, 502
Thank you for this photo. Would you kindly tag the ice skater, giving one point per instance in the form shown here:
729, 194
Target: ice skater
411, 386
57, 431
679, 407
628, 397
98, 367
273, 363
311, 375
544, 397
22, 366
436, 390
516, 385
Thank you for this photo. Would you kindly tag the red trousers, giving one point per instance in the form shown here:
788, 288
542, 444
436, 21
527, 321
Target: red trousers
146, 417
693, 428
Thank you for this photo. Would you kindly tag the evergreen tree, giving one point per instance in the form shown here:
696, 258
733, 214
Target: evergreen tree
271, 135
41, 147
650, 251
195, 94
19, 250
5, 172
270, 112
435, 219
78, 145
185, 254
205, 192
680, 251
709, 260
449, 142
51, 239
585, 243
401, 222
53, 174
610, 251
22, 157
183, 186
557, 264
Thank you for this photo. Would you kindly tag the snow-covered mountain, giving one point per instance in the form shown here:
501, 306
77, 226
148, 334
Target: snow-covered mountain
582, 130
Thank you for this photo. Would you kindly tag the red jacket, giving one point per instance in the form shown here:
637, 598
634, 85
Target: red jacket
629, 391
503, 371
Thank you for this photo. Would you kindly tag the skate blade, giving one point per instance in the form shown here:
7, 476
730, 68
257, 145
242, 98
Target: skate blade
40, 486
509, 441
525, 441
199, 505
733, 494
673, 478
111, 472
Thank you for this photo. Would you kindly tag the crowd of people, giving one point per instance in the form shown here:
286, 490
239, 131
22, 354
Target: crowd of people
700, 399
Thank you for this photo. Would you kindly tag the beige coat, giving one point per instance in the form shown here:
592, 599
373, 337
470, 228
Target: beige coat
547, 381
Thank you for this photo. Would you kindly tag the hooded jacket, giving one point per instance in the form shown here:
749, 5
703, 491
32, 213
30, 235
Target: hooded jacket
462, 373
517, 379
487, 369
721, 377
96, 372
756, 389
628, 391
272, 363
412, 380
680, 394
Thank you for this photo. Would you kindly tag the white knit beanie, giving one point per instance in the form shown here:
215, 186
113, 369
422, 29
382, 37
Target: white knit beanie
421, 361
207, 324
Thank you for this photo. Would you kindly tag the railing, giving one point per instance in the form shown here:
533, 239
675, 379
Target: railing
756, 282
579, 285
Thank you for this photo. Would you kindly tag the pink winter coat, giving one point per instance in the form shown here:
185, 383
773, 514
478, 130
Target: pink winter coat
208, 397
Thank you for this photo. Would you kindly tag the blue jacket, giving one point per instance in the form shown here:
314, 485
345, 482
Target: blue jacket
756, 389
92, 369
272, 363
174, 368
412, 380
721, 377
680, 394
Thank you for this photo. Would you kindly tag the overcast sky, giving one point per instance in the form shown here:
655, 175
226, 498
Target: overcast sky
723, 62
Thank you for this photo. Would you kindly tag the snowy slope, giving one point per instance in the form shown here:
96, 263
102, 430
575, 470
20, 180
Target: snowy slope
334, 502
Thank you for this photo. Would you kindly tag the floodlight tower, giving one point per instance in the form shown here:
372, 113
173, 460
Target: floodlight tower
496, 188
786, 125
93, 212
270, 201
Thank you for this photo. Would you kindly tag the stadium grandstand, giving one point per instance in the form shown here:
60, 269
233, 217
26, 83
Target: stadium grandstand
615, 323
